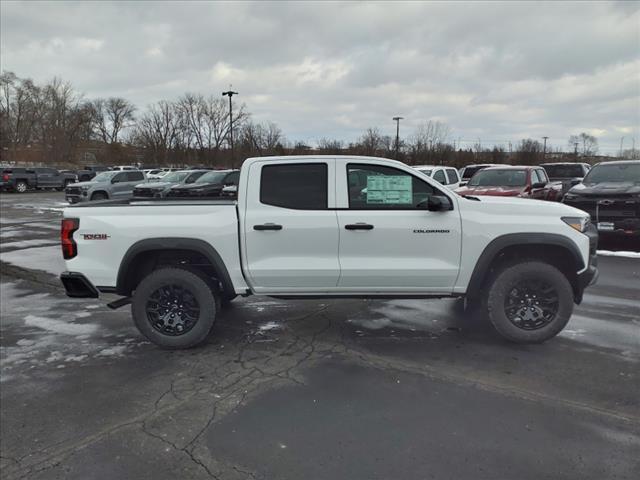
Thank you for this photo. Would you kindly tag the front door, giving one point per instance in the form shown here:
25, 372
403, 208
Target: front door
389, 241
290, 232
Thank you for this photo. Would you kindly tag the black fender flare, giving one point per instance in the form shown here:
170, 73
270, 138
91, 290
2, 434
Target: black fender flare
172, 243
491, 251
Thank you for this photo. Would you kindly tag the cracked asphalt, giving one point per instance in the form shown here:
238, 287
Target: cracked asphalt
349, 389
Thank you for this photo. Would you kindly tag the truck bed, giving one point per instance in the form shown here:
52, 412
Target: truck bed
153, 202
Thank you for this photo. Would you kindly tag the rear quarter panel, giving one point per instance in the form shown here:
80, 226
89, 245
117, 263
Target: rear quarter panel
99, 260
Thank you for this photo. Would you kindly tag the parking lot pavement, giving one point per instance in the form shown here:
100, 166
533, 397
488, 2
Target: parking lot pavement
307, 389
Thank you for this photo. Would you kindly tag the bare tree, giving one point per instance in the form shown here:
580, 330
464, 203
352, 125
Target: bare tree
111, 116
261, 138
158, 130
373, 143
587, 144
529, 151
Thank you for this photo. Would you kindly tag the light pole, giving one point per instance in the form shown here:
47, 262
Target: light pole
621, 143
397, 120
230, 94
544, 149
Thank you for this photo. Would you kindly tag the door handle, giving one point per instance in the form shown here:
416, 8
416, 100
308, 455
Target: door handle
267, 226
358, 226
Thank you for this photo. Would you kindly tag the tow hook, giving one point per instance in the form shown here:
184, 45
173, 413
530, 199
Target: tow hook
121, 302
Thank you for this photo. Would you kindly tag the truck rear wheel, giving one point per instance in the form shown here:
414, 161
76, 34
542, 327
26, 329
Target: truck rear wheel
530, 302
174, 308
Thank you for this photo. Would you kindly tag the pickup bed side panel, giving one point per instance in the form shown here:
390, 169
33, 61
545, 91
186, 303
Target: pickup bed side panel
99, 257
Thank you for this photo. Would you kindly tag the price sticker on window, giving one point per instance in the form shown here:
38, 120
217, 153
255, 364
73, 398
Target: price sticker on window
389, 190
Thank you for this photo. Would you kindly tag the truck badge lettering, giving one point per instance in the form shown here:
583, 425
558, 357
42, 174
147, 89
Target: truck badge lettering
95, 236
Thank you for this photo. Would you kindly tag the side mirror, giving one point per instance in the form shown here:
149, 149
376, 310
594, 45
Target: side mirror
436, 203
575, 181
115, 180
463, 184
538, 185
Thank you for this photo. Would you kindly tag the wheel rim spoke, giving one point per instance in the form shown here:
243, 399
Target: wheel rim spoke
172, 310
531, 304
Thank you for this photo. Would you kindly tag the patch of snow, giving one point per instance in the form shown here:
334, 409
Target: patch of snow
34, 242
269, 326
114, 351
608, 253
7, 233
59, 326
614, 335
48, 259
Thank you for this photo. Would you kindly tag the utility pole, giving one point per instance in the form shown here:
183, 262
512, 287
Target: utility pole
230, 94
544, 150
397, 120
575, 144
621, 140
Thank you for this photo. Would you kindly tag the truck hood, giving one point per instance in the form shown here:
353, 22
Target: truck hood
525, 206
155, 185
84, 184
494, 191
606, 188
195, 187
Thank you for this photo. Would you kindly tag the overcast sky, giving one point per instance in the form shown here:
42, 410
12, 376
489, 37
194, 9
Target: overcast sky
493, 71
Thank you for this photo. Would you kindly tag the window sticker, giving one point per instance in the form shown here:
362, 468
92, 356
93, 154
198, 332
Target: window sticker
389, 190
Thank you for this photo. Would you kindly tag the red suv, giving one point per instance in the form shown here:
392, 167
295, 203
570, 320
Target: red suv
513, 181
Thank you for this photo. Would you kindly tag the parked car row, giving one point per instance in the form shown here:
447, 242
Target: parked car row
609, 192
19, 179
124, 184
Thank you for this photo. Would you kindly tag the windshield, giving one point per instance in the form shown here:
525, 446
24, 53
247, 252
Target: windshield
104, 176
426, 171
175, 177
470, 171
499, 178
564, 171
212, 177
616, 173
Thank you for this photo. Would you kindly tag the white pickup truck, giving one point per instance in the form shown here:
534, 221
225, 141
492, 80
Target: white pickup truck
315, 226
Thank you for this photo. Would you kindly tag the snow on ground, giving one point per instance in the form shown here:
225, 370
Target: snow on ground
34, 242
48, 259
608, 253
408, 315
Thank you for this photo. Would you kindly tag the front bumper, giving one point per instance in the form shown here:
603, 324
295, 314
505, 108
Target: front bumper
588, 276
78, 286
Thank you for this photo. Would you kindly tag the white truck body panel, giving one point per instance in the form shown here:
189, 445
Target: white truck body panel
408, 251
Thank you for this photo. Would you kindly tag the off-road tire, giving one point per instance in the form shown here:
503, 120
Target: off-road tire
201, 290
507, 279
99, 196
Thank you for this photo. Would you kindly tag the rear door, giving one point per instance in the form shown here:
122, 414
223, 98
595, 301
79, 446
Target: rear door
388, 241
290, 226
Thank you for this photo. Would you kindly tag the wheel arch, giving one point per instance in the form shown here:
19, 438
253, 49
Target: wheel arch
144, 256
555, 249
104, 192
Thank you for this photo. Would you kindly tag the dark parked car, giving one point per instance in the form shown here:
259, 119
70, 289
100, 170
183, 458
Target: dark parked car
20, 179
90, 171
208, 185
159, 188
512, 181
610, 193
566, 173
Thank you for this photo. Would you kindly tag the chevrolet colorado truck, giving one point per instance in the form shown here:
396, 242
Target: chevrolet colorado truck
299, 229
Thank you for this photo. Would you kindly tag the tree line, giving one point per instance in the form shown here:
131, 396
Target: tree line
194, 129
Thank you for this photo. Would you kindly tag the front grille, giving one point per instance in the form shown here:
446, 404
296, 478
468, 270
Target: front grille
178, 193
143, 192
73, 191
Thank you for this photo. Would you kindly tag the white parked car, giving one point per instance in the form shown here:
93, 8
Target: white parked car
447, 176
121, 168
303, 228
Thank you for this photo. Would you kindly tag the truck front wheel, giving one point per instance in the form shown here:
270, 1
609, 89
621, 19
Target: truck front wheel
530, 302
174, 308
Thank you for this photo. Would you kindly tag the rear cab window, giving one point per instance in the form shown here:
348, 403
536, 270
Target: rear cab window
298, 186
452, 175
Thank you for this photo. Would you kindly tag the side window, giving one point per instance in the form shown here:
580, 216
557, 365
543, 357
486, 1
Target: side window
134, 176
193, 177
300, 186
119, 177
376, 187
452, 175
439, 177
542, 175
232, 178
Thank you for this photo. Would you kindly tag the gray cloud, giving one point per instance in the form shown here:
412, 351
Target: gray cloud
495, 71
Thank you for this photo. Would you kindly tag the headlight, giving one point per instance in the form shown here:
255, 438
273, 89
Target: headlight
570, 196
85, 188
578, 223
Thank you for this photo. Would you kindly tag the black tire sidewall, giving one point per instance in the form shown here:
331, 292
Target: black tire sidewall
507, 279
197, 286
98, 196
